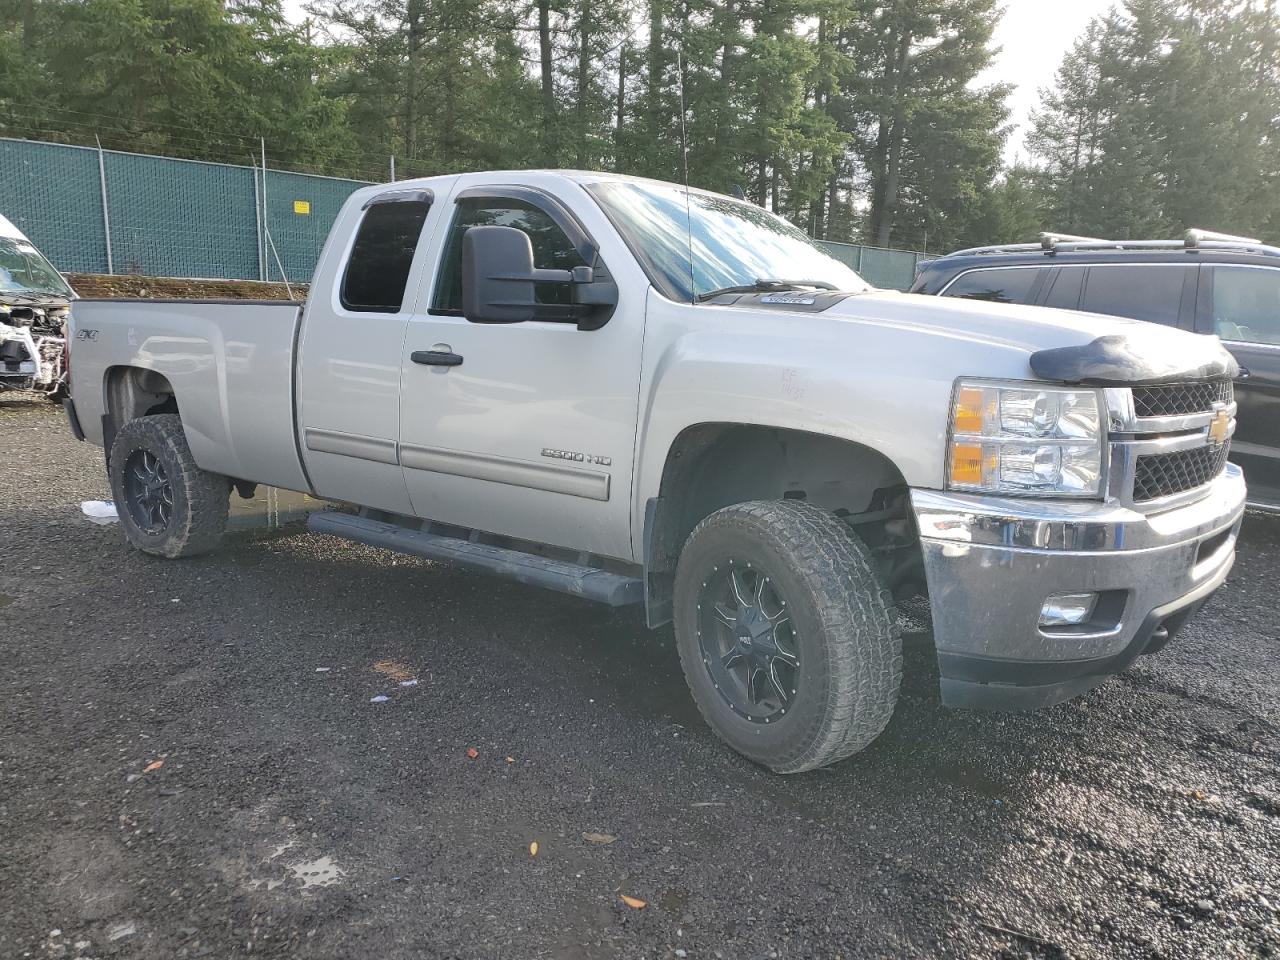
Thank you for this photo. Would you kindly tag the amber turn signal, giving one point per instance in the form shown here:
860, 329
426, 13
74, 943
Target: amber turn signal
970, 409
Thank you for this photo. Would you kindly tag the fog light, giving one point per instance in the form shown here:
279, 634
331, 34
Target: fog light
1067, 609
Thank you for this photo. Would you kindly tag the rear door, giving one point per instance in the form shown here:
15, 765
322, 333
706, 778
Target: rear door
350, 349
1241, 304
531, 430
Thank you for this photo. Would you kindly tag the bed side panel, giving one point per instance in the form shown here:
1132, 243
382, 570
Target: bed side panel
230, 365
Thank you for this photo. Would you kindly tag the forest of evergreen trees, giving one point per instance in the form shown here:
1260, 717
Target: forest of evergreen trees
858, 120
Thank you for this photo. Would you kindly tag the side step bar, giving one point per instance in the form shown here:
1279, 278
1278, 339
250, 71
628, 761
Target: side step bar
591, 583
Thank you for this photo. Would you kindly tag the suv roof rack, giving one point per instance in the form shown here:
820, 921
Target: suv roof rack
1193, 240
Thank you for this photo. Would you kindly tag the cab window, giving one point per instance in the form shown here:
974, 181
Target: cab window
378, 270
1009, 285
551, 249
1246, 304
1142, 291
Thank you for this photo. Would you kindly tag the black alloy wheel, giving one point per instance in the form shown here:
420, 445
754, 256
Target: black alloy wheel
747, 641
148, 492
168, 506
786, 633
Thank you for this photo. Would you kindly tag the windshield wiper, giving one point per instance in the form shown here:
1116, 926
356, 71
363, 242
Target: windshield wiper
765, 285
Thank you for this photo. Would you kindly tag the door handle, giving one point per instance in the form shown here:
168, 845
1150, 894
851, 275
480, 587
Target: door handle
436, 358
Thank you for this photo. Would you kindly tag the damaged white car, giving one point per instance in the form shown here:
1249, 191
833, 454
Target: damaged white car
34, 303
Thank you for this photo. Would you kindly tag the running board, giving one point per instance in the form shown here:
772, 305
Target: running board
591, 583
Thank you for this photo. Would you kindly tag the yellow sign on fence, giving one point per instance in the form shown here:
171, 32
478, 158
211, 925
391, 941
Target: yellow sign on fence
302, 208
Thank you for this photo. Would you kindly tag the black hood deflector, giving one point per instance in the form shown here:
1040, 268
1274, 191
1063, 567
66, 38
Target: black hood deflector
1134, 359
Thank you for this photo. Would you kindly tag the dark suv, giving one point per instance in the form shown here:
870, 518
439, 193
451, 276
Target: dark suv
1208, 283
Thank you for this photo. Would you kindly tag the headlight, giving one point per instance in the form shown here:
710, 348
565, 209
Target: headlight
1025, 439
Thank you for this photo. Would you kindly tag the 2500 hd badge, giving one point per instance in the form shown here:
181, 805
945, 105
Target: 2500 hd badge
577, 457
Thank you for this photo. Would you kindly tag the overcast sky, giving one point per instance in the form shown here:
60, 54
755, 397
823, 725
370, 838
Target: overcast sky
1033, 35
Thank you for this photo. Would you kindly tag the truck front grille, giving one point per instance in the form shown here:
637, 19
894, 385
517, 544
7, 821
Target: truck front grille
1180, 399
1159, 475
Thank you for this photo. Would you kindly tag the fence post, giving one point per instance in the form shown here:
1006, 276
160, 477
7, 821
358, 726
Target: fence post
106, 213
266, 220
393, 168
257, 221
266, 226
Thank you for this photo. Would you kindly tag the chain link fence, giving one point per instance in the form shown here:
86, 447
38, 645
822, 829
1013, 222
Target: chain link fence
105, 211
879, 266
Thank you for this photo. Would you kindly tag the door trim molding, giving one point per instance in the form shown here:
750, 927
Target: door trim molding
351, 445
554, 478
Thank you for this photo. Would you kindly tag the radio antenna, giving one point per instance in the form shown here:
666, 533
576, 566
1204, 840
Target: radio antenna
684, 157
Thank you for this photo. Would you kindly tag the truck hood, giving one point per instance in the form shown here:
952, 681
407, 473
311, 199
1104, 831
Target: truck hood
1060, 345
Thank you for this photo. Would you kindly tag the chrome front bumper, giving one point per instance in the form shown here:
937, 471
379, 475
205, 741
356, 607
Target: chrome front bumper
992, 562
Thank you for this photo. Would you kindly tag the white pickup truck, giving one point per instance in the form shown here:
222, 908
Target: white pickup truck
635, 393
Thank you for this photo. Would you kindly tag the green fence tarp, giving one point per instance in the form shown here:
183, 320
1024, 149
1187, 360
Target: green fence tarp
879, 266
167, 217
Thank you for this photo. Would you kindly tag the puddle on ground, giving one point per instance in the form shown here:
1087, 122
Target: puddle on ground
321, 872
271, 508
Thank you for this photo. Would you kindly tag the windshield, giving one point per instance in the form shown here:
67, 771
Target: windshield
734, 243
23, 270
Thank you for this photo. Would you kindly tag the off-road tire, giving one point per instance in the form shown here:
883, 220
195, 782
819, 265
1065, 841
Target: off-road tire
850, 651
200, 498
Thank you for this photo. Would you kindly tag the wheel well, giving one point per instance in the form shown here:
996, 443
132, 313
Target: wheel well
710, 466
133, 392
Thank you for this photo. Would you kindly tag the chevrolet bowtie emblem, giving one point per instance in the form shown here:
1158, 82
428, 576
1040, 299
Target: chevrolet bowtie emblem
1219, 426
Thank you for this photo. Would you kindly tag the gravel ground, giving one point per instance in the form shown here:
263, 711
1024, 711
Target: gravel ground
292, 816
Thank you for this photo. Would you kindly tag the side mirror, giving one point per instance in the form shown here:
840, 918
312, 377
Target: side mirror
498, 280
497, 275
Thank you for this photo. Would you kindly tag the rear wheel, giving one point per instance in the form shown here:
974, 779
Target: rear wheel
167, 505
786, 634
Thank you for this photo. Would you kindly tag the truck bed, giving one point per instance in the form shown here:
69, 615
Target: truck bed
230, 363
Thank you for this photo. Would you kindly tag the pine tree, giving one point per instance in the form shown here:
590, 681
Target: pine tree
1164, 116
917, 123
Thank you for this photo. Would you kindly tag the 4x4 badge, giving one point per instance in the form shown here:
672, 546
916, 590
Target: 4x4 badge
1219, 426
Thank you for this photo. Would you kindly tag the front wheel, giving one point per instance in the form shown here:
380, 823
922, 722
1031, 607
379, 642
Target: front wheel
167, 505
786, 634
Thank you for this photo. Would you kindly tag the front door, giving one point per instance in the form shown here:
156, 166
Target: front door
1243, 308
531, 430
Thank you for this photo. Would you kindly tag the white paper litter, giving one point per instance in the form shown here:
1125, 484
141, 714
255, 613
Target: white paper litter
379, 699
99, 511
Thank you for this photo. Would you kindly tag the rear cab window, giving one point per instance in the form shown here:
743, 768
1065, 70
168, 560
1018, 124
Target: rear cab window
377, 270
